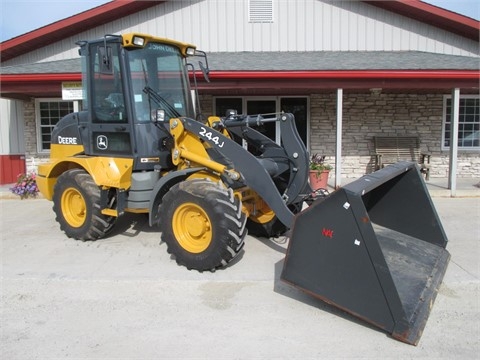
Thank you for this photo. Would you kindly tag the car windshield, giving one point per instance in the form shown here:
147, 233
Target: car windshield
159, 81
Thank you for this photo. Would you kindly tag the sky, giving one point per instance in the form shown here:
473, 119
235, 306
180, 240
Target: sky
18, 17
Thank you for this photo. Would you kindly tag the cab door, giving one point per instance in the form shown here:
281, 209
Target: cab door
110, 129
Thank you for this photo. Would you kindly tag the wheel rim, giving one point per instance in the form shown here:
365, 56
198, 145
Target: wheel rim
74, 208
263, 217
192, 227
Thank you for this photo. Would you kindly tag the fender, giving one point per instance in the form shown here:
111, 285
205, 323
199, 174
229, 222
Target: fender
162, 186
105, 171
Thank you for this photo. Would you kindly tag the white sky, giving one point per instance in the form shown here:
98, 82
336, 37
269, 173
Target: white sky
18, 17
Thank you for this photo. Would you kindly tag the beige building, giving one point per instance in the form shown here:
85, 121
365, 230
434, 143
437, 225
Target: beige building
348, 70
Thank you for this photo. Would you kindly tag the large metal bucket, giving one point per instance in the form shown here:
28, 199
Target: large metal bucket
375, 248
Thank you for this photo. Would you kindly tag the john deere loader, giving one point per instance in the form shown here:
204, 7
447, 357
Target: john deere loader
375, 248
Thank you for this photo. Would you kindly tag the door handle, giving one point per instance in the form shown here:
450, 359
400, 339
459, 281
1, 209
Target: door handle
120, 128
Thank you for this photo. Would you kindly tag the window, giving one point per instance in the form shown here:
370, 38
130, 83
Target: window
260, 11
468, 122
108, 105
158, 81
48, 113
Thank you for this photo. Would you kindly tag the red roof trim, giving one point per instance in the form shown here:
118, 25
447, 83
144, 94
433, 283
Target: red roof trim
348, 74
26, 78
433, 15
280, 75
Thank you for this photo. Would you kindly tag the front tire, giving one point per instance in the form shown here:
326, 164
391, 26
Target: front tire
272, 228
76, 203
202, 224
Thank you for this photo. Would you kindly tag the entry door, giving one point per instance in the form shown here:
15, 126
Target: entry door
298, 106
264, 107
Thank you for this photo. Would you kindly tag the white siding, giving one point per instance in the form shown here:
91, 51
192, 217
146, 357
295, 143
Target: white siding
298, 25
12, 127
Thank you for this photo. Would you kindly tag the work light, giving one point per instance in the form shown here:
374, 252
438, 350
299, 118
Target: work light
139, 41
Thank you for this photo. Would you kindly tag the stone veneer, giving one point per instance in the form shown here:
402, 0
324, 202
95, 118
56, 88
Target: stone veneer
364, 116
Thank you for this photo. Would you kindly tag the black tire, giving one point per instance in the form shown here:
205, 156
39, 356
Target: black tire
76, 203
273, 228
202, 224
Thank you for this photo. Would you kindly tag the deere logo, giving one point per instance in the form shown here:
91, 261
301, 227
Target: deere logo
102, 142
67, 140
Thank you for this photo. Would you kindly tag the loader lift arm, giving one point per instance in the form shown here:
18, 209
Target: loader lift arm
254, 172
292, 154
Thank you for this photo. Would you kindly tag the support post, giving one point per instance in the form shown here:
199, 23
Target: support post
452, 166
338, 140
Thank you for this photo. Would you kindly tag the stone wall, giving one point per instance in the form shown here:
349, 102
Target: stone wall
32, 157
367, 115
364, 116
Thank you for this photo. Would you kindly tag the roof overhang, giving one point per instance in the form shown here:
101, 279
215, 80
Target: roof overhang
305, 82
22, 86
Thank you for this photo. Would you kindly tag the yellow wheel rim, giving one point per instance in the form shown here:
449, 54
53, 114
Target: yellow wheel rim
74, 208
192, 228
263, 217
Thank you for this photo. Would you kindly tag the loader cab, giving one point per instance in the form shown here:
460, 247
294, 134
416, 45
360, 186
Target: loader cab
130, 81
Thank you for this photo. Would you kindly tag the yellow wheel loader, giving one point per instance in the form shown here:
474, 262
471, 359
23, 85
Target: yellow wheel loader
375, 248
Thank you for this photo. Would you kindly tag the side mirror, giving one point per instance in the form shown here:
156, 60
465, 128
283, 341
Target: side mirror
205, 71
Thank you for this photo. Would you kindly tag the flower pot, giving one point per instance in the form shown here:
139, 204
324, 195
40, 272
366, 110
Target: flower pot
318, 179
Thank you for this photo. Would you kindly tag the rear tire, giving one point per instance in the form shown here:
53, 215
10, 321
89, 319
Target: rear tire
202, 224
76, 203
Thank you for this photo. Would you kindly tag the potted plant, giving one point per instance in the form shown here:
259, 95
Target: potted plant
26, 186
319, 171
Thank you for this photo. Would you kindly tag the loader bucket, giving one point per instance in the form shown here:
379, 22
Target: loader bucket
375, 249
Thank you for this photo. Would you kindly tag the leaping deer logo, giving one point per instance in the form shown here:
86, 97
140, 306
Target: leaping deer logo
102, 142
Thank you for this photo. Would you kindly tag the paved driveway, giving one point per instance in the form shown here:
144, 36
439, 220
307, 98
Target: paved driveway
124, 297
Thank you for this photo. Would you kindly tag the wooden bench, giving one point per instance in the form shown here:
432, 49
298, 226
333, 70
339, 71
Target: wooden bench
391, 149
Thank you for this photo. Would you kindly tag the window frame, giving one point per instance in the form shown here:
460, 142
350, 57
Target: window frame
38, 124
444, 123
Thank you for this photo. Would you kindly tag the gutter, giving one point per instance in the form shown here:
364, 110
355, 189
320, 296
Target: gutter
279, 75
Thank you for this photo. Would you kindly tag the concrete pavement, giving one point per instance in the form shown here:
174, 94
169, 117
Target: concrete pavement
124, 297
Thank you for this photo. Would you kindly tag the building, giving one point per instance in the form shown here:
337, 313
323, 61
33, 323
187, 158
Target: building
348, 70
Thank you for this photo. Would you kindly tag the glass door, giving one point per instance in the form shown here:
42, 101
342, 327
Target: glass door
298, 106
264, 107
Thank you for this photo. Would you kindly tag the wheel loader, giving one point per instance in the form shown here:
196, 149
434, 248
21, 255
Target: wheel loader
374, 248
